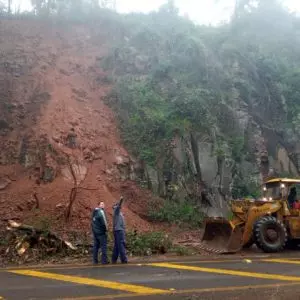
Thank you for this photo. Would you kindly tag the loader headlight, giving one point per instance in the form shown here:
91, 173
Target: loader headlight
270, 199
282, 186
265, 199
264, 188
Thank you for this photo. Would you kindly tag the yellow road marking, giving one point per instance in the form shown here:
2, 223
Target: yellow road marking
85, 266
227, 272
189, 291
94, 282
283, 261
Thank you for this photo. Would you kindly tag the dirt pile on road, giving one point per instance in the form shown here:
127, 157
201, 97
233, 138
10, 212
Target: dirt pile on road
57, 137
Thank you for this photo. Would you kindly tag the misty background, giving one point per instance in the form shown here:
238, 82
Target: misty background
208, 12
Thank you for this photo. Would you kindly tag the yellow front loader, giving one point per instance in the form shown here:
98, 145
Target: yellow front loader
270, 222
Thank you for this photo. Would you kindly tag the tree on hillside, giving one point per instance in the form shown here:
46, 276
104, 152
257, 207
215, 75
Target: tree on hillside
75, 9
242, 7
2, 7
109, 4
169, 8
9, 6
43, 7
5, 6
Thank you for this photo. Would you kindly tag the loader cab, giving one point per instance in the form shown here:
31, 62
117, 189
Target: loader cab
286, 190
272, 191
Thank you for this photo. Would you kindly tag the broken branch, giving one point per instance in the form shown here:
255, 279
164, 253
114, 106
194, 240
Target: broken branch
32, 236
37, 201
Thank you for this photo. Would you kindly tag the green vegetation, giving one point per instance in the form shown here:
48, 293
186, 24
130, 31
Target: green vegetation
245, 187
177, 213
140, 244
173, 78
181, 250
3, 240
152, 118
39, 222
147, 243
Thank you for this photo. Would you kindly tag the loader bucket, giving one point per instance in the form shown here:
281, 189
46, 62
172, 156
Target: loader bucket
220, 237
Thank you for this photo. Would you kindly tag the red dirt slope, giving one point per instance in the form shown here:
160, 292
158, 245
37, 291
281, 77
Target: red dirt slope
50, 84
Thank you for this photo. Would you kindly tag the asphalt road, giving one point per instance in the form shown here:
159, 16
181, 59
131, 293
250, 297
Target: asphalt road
274, 277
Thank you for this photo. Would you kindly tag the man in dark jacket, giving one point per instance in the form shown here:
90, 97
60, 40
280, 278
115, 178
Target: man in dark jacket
119, 234
99, 228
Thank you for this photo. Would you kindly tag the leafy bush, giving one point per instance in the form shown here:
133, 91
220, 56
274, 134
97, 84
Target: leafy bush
3, 239
177, 213
181, 251
245, 188
39, 222
147, 243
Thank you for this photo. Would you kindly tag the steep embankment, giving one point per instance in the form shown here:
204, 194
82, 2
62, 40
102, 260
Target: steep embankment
55, 129
208, 113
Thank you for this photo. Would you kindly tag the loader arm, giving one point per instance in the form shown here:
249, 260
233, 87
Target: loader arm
256, 212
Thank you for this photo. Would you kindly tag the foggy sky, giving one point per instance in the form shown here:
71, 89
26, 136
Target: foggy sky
200, 11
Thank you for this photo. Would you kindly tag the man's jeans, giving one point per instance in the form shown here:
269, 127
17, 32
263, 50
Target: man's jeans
119, 247
100, 241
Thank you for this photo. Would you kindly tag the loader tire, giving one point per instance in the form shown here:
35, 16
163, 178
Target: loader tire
270, 234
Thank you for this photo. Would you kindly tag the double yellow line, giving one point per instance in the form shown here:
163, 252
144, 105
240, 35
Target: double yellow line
228, 272
137, 290
93, 282
283, 261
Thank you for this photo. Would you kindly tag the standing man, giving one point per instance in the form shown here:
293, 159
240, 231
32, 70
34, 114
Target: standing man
99, 228
119, 234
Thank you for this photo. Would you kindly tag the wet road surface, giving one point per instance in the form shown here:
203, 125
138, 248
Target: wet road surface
269, 277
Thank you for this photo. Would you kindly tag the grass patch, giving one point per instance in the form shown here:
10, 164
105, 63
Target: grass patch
147, 244
177, 213
181, 251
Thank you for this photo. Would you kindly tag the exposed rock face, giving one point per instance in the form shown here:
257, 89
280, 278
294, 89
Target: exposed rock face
268, 155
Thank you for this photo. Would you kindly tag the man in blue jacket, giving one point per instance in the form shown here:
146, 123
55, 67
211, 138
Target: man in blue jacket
99, 228
119, 234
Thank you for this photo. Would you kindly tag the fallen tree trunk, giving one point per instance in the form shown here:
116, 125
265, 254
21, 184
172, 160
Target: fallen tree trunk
27, 237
